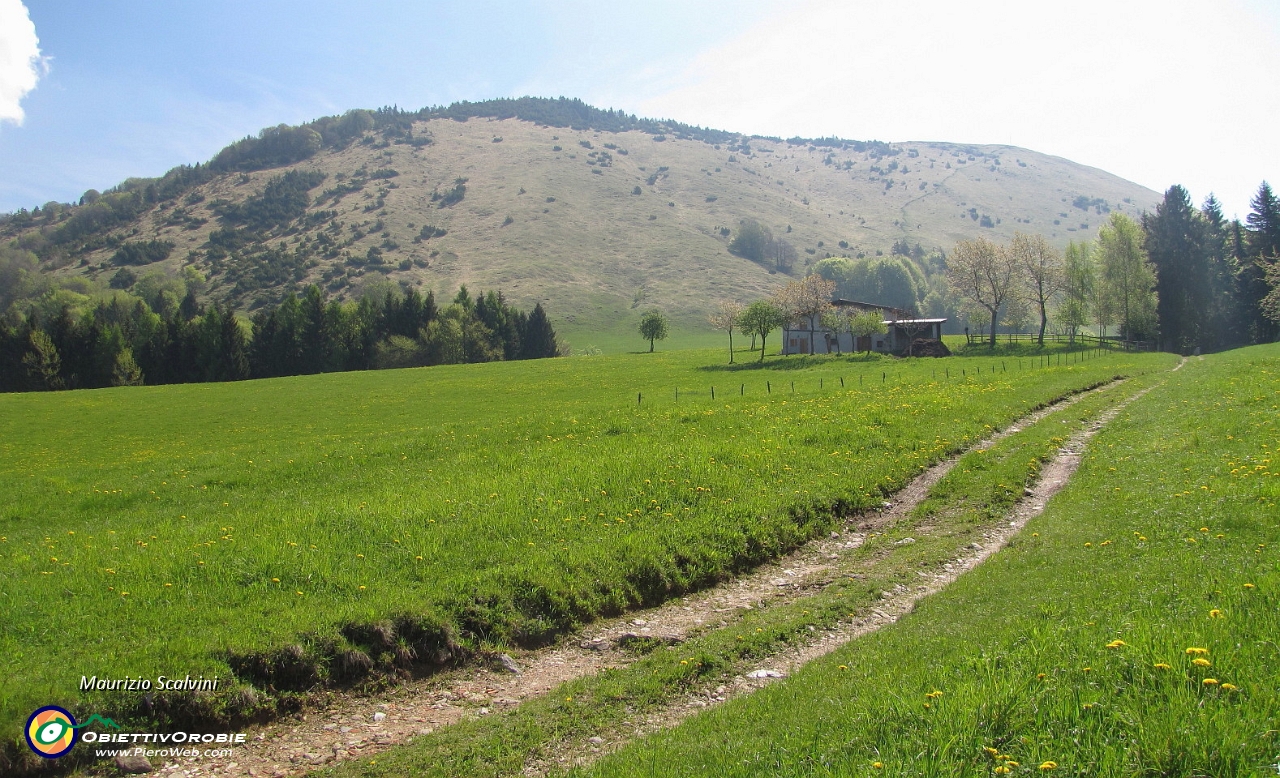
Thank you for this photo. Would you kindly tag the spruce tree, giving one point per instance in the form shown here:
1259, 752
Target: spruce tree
538, 339
1175, 242
1262, 244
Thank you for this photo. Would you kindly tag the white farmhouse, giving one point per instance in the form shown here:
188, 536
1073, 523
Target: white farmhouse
903, 328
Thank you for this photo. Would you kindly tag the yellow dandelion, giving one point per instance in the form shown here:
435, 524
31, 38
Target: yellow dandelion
843, 667
417, 559
362, 588
933, 695
359, 556
275, 580
1210, 682
1116, 643
298, 593
1204, 529
1162, 666
1215, 614
1002, 770
1088, 545
1228, 687
1012, 763
1142, 538
1048, 765
1249, 586
1041, 676
1194, 651
1201, 662
991, 752
878, 765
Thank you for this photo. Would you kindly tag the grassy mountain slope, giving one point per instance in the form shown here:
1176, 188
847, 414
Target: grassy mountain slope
550, 214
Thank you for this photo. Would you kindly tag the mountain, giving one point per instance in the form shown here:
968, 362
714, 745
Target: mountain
595, 214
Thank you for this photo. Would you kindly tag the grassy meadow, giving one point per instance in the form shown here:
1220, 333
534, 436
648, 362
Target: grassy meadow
609, 706
1129, 630
316, 529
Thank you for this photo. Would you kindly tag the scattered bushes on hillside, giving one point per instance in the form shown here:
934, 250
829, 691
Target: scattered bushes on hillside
283, 199
452, 196
428, 232
142, 252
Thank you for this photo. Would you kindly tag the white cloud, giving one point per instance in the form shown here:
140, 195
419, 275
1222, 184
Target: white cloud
1157, 91
20, 62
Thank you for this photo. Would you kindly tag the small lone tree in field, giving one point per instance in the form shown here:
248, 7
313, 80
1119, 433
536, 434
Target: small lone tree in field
864, 324
760, 318
725, 317
653, 326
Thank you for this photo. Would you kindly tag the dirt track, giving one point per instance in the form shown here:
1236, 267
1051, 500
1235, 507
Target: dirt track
351, 726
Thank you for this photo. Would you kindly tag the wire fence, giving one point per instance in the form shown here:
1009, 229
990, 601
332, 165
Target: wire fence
885, 377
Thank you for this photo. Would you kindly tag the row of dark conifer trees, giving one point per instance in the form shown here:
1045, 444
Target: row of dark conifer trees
1217, 280
124, 342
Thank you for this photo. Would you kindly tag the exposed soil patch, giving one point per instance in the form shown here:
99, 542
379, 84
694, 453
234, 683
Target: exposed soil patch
349, 726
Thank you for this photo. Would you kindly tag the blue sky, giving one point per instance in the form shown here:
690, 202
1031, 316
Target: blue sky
1157, 91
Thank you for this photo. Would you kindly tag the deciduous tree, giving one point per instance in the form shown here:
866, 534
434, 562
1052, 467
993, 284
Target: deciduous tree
725, 317
653, 326
807, 298
1043, 275
864, 323
1077, 288
984, 273
760, 318
1128, 276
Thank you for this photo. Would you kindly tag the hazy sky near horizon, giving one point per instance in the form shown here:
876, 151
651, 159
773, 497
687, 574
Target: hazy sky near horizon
1156, 91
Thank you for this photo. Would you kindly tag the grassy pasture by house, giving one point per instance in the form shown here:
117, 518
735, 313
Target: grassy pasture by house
311, 529
1129, 630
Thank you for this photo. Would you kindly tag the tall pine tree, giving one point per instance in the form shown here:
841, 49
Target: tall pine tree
1262, 243
1175, 242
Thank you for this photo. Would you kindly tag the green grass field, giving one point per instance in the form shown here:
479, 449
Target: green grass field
312, 529
959, 510
1130, 629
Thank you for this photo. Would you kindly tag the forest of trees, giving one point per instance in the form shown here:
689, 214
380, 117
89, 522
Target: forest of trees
1212, 274
127, 340
1183, 279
